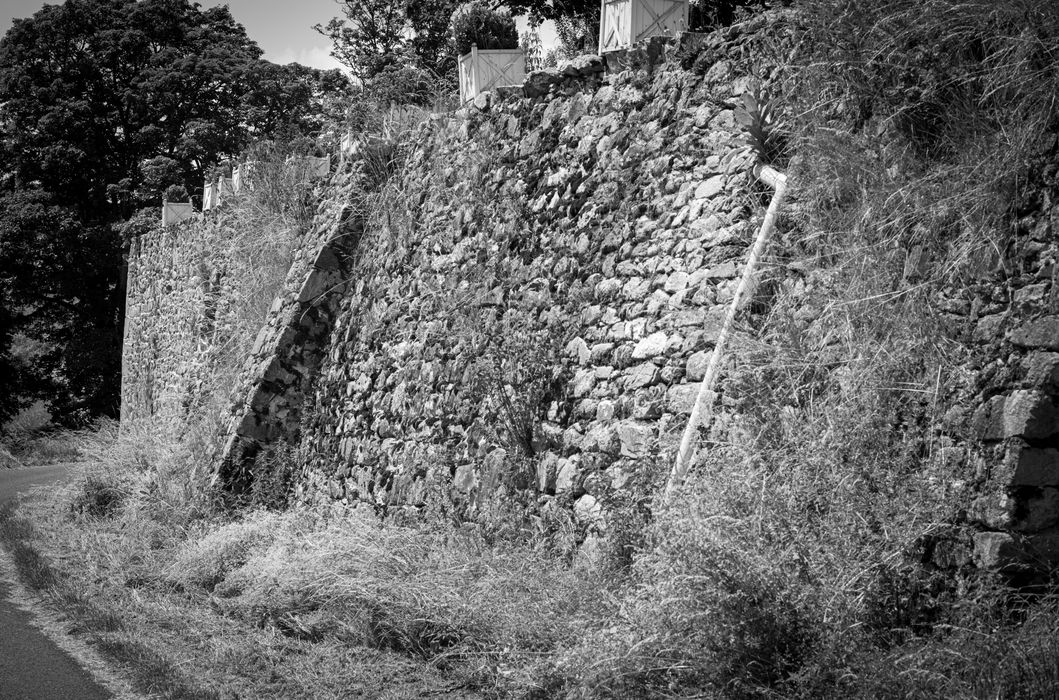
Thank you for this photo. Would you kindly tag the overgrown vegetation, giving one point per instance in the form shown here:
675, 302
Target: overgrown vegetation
790, 565
478, 24
103, 107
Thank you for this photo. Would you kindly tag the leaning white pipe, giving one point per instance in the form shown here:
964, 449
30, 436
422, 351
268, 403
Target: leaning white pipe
705, 397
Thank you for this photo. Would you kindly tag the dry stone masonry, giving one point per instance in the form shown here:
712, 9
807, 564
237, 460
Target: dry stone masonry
176, 310
291, 344
599, 218
533, 301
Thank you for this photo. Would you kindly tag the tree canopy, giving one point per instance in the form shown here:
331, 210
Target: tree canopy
104, 104
374, 37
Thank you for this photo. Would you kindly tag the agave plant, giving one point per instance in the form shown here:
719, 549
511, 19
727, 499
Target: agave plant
760, 118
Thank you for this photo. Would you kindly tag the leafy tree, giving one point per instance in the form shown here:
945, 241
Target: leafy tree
290, 100
58, 285
555, 9
375, 36
705, 14
373, 39
431, 43
103, 105
477, 23
12, 396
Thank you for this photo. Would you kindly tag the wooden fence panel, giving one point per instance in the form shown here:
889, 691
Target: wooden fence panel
209, 196
488, 69
309, 167
175, 212
625, 22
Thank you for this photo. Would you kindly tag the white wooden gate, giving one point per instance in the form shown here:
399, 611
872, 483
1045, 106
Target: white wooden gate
175, 212
488, 69
624, 22
305, 168
225, 188
243, 176
210, 197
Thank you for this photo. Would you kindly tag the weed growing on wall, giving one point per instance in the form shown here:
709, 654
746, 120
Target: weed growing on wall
934, 118
279, 181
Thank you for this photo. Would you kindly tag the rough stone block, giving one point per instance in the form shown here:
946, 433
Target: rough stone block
696, 366
602, 438
608, 289
726, 270
578, 349
567, 474
585, 409
636, 439
275, 372
318, 282
583, 382
587, 510
1044, 547
642, 375
327, 260
677, 281
647, 405
547, 470
572, 439
1033, 466
680, 399
605, 410
1030, 414
466, 478
1040, 333
1023, 413
1042, 370
600, 352
1038, 510
651, 346
710, 188
988, 328
636, 289
996, 550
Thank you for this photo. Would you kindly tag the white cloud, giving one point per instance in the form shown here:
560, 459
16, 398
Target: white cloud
314, 56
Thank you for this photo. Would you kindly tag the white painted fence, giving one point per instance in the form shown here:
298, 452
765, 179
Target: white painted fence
310, 167
210, 196
175, 212
213, 193
481, 71
243, 176
319, 167
625, 22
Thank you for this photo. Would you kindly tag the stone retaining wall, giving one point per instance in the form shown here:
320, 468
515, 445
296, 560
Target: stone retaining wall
532, 301
557, 260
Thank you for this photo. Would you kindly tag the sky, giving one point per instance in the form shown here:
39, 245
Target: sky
282, 28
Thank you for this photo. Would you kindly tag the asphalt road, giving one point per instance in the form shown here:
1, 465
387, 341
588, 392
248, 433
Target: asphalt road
31, 666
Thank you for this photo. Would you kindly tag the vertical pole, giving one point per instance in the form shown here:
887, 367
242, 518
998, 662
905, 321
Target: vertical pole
602, 24
704, 399
475, 77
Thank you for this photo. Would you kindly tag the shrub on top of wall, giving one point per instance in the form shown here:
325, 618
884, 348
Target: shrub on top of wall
476, 23
176, 193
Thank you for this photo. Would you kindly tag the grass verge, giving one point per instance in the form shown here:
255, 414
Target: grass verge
717, 601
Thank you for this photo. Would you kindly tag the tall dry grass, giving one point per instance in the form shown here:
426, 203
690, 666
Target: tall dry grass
788, 566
